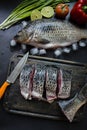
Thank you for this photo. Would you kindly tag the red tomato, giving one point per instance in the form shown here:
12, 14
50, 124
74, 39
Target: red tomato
62, 10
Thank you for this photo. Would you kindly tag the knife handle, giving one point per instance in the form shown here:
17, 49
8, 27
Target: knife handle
3, 88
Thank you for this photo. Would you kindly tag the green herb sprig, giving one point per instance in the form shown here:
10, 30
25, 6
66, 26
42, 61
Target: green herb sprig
24, 9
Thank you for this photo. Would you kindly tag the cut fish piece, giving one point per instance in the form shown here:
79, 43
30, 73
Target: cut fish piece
64, 83
51, 84
45, 82
26, 78
38, 82
71, 106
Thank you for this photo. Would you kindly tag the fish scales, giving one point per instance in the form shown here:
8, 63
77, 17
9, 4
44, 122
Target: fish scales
26, 78
50, 34
38, 82
71, 106
64, 83
45, 82
51, 84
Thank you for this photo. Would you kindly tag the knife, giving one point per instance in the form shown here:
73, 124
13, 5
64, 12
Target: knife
14, 74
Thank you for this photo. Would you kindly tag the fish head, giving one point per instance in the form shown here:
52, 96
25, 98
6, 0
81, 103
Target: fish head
23, 36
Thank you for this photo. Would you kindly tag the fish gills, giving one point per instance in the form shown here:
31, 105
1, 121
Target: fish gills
38, 82
26, 78
64, 83
70, 107
51, 84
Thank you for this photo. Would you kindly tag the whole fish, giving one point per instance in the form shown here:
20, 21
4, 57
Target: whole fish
70, 107
50, 33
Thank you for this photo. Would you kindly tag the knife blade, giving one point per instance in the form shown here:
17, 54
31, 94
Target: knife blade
14, 74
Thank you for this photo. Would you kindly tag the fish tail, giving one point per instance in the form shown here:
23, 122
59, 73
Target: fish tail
70, 107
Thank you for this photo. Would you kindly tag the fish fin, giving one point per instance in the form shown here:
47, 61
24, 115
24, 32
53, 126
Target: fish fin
42, 40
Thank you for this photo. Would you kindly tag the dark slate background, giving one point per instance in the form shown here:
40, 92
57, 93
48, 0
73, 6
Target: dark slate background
10, 121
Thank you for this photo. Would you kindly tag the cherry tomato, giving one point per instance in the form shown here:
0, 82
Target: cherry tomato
62, 10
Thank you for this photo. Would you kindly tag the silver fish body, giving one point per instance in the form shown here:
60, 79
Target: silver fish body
70, 107
50, 34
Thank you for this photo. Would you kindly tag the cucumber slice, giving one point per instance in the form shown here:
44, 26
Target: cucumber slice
47, 11
35, 15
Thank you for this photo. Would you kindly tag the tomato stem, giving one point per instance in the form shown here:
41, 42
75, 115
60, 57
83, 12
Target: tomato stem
64, 6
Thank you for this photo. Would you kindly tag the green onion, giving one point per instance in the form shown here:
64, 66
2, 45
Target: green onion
24, 9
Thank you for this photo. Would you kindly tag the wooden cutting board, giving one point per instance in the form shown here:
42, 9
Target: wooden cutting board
15, 103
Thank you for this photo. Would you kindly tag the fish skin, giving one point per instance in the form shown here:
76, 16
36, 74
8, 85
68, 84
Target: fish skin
71, 106
38, 82
44, 82
26, 78
50, 33
64, 83
51, 84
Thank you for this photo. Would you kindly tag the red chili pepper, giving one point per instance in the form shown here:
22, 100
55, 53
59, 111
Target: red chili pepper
79, 12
